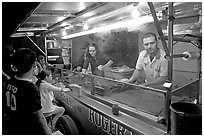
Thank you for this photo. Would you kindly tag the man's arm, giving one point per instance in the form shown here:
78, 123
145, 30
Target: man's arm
158, 81
42, 122
135, 76
138, 69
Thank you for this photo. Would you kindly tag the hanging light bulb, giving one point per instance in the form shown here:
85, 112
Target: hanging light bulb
64, 33
135, 13
85, 27
81, 6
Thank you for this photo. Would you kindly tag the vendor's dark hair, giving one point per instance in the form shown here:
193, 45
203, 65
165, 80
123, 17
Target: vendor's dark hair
93, 44
23, 60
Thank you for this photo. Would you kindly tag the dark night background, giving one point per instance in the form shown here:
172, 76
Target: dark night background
13, 13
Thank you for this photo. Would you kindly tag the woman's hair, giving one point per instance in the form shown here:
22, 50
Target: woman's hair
23, 60
92, 45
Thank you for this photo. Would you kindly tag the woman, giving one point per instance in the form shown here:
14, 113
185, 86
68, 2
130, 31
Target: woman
95, 61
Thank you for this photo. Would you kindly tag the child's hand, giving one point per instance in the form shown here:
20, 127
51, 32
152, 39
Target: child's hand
100, 67
125, 80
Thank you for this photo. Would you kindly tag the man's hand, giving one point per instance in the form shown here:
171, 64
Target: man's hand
100, 67
79, 68
144, 84
124, 80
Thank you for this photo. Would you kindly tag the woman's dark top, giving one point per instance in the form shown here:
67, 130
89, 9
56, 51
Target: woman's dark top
95, 62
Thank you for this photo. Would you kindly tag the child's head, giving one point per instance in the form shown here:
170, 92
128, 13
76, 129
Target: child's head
23, 60
45, 75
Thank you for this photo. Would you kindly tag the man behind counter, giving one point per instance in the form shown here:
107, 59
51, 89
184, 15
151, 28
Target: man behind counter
152, 61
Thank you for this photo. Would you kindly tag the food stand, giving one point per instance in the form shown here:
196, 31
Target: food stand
105, 105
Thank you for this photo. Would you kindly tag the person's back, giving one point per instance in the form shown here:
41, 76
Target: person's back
46, 100
23, 98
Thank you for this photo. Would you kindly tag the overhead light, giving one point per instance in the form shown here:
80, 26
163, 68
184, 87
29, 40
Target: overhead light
124, 24
142, 3
85, 27
32, 29
81, 6
54, 34
22, 34
64, 33
125, 10
60, 19
68, 27
65, 24
135, 13
88, 14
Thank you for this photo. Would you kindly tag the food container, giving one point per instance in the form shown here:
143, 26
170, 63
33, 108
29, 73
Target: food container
118, 73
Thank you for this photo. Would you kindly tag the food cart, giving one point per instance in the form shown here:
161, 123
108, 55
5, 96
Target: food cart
105, 105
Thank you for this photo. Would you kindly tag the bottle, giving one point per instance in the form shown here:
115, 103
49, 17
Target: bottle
115, 109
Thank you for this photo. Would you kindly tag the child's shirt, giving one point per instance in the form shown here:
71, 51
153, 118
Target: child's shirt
46, 92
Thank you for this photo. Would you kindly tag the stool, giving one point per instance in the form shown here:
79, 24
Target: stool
49, 117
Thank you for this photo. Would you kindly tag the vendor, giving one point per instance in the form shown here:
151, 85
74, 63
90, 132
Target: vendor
95, 63
152, 62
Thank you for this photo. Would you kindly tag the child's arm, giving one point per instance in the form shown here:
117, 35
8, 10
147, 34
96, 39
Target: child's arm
56, 89
53, 88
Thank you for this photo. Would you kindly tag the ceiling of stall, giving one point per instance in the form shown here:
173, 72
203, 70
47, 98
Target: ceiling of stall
52, 18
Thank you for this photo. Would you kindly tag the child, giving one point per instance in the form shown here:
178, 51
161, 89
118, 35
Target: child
46, 92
